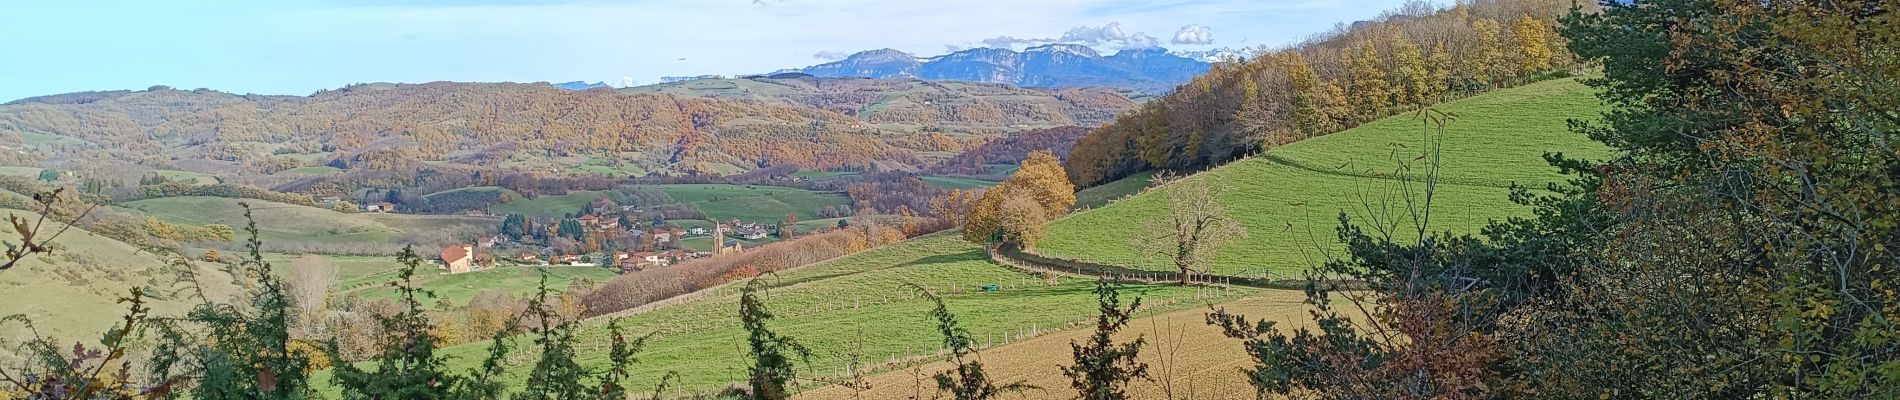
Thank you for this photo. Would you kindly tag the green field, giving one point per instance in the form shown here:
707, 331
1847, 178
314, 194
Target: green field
352, 272
274, 220
822, 174
41, 139
596, 165
70, 294
807, 226
368, 277
30, 172
305, 157
1102, 194
946, 182
279, 222
826, 305
752, 203
197, 178
311, 171
474, 189
704, 243
691, 223
554, 206
457, 289
1290, 198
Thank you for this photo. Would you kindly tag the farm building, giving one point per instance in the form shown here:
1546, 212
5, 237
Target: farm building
458, 258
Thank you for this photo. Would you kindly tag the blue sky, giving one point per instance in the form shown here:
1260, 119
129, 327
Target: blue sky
300, 46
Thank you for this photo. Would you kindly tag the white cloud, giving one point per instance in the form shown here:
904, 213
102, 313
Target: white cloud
1094, 35
1010, 41
831, 55
1193, 34
1110, 35
1140, 41
332, 43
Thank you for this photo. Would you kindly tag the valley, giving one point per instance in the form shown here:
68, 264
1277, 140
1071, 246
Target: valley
1447, 201
1290, 197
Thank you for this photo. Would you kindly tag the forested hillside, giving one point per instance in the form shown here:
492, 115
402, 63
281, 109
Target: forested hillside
936, 106
1710, 209
1290, 197
814, 124
1417, 55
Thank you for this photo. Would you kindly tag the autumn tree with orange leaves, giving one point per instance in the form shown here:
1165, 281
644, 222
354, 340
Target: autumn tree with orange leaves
1013, 212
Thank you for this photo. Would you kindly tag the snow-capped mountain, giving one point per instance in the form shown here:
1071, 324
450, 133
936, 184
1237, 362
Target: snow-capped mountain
1214, 55
1150, 70
580, 85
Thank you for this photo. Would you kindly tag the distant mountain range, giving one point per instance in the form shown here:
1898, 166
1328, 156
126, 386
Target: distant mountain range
382, 130
1150, 70
581, 85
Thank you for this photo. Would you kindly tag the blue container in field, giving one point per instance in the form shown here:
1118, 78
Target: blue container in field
989, 288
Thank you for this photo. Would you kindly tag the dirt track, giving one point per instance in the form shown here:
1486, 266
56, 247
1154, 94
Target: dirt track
1206, 365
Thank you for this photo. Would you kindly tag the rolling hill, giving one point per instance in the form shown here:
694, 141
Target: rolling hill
70, 293
1146, 70
1289, 198
1205, 364
911, 104
707, 126
290, 227
858, 303
718, 201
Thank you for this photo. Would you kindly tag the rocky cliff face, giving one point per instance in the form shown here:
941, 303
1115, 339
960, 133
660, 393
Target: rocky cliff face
884, 63
1150, 70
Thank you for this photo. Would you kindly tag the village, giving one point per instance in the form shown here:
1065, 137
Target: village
605, 235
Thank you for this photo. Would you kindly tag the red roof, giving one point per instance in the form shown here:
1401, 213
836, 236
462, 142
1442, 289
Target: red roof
454, 252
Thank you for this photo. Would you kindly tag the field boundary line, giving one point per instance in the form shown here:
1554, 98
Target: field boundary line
1035, 263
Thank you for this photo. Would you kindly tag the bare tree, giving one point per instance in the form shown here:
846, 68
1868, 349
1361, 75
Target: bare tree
311, 278
1195, 227
33, 236
1167, 345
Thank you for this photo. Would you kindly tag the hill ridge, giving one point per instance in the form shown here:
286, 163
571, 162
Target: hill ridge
1289, 198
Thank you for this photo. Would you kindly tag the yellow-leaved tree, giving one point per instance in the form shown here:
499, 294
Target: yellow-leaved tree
1414, 82
1310, 113
1369, 92
1533, 42
1491, 65
1040, 182
1438, 72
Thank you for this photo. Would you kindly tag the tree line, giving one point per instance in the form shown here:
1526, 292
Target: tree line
1739, 245
271, 340
1411, 57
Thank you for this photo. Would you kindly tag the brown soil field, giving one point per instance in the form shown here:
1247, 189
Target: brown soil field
1183, 353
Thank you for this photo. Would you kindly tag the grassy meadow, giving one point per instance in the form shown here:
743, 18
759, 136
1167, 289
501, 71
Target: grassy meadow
948, 182
69, 294
718, 201
281, 224
458, 289
822, 174
1102, 194
862, 297
548, 205
195, 178
1290, 197
753, 203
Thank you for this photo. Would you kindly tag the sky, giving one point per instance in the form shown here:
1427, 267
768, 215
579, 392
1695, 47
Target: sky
300, 46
